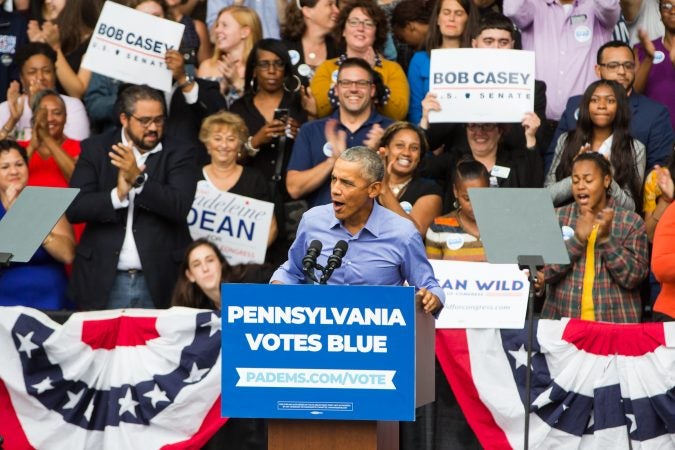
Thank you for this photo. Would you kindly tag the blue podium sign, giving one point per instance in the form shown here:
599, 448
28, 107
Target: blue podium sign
318, 352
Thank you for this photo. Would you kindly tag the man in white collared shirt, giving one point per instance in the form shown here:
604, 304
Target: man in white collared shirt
136, 190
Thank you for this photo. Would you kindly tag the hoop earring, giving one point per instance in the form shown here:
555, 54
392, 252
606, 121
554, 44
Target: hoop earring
297, 88
455, 204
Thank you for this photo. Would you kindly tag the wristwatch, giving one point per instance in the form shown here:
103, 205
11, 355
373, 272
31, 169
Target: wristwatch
140, 180
189, 79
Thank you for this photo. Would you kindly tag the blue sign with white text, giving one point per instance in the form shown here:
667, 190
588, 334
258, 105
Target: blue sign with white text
318, 352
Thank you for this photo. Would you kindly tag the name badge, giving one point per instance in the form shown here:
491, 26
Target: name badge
500, 171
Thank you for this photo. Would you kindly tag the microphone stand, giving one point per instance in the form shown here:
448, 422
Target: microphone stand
325, 274
532, 263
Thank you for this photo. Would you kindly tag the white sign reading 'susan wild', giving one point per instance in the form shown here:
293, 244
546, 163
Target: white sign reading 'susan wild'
238, 225
130, 45
481, 295
482, 85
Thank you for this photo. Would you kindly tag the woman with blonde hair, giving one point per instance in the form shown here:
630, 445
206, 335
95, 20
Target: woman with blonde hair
224, 135
234, 33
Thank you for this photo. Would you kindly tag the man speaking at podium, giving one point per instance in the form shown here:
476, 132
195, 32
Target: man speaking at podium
378, 246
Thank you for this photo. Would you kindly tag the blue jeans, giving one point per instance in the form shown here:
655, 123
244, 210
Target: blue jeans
129, 291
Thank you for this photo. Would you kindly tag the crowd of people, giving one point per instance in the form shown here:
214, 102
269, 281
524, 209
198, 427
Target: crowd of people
279, 102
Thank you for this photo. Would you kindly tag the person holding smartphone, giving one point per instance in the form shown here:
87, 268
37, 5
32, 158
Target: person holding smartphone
272, 110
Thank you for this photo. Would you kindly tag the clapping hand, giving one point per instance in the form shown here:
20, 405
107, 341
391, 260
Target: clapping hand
664, 180
15, 100
336, 138
374, 136
603, 221
122, 157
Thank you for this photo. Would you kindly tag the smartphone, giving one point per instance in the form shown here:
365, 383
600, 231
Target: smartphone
281, 114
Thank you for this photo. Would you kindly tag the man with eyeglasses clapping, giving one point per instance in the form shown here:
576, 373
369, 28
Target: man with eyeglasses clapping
136, 188
320, 142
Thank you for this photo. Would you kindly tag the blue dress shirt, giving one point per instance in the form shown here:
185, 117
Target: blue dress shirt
387, 251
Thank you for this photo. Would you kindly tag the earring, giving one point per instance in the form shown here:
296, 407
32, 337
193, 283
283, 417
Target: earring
455, 204
297, 88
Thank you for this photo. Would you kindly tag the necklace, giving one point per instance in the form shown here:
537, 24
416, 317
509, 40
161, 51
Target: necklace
397, 189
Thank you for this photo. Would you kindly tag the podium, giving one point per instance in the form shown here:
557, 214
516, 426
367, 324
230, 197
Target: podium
329, 366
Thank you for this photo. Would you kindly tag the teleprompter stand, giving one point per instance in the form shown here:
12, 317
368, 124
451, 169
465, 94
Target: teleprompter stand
520, 225
29, 221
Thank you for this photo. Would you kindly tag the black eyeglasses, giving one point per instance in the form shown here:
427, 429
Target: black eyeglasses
666, 7
146, 121
266, 65
361, 84
628, 65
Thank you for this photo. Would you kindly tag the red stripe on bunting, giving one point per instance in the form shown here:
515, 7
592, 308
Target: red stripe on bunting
600, 338
10, 427
211, 424
123, 331
452, 351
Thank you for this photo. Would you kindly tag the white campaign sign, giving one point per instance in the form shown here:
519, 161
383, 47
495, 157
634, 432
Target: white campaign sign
480, 85
130, 45
238, 225
481, 295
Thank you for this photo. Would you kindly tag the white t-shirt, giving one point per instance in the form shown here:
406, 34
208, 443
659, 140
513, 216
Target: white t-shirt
77, 122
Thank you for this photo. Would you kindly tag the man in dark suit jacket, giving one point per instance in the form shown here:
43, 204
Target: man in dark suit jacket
136, 188
650, 121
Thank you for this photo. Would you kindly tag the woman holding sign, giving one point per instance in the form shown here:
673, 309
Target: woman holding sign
602, 127
224, 135
451, 24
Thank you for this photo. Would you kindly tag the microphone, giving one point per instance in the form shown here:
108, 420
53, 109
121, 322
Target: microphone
309, 261
335, 260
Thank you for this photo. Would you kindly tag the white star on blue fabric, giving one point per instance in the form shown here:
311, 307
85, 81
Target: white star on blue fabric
90, 409
591, 421
73, 399
196, 374
519, 356
156, 395
214, 323
44, 385
26, 344
543, 399
633, 422
127, 404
